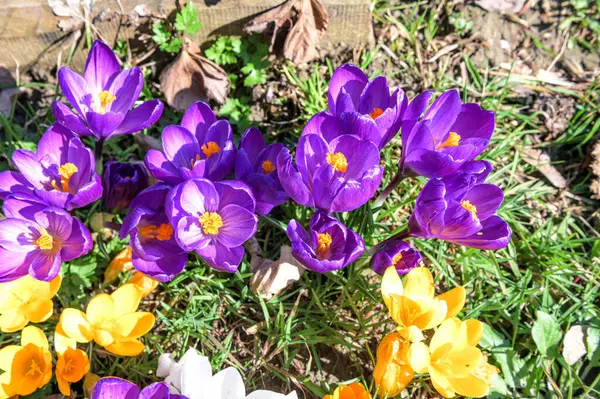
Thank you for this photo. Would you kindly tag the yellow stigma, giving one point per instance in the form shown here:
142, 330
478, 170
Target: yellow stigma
211, 222
45, 241
194, 160
396, 259
324, 245
267, 167
377, 112
469, 207
453, 140
66, 171
210, 148
34, 369
106, 97
160, 233
337, 160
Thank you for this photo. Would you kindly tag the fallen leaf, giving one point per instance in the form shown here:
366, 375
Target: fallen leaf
191, 78
7, 95
271, 277
501, 6
541, 161
574, 345
75, 12
306, 22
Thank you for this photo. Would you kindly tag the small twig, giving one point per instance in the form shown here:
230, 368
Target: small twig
560, 53
390, 187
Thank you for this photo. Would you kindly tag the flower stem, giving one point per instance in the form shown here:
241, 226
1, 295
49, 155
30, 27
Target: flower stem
98, 155
390, 187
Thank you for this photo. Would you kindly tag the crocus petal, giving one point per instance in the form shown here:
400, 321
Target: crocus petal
161, 168
13, 265
235, 193
362, 126
134, 325
69, 119
88, 193
7, 354
103, 125
28, 164
291, 180
56, 221
100, 308
163, 269
349, 77
455, 300
252, 142
22, 206
190, 235
418, 356
310, 154
127, 298
126, 86
431, 163
376, 94
76, 325
14, 320
75, 89
356, 193
140, 118
239, 225
39, 310
35, 336
470, 386
495, 234
487, 198
222, 258
180, 146
158, 390
18, 235
264, 394
101, 65
227, 384
126, 348
413, 112
12, 182
198, 196
197, 119
196, 372
443, 113
323, 124
472, 121
115, 388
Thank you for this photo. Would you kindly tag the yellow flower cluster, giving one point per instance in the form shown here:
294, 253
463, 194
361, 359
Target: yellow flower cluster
110, 320
451, 358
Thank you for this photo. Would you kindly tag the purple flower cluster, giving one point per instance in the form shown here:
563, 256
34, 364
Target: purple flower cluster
209, 192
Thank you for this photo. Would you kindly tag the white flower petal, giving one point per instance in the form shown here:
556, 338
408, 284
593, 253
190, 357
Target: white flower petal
196, 375
264, 394
165, 362
228, 384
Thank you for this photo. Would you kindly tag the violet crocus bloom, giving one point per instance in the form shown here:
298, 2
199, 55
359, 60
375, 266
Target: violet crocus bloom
338, 176
200, 147
255, 165
360, 107
118, 388
213, 219
61, 171
122, 182
328, 245
35, 239
154, 249
396, 253
103, 97
449, 134
461, 209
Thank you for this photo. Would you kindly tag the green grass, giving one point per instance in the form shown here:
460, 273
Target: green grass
325, 328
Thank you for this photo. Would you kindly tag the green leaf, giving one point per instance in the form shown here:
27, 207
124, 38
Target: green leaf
187, 20
161, 33
592, 343
546, 334
254, 75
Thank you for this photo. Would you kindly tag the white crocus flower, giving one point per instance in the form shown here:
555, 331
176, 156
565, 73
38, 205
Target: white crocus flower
192, 377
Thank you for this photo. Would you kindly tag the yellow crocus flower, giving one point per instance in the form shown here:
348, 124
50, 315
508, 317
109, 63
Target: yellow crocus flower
27, 367
453, 361
72, 364
26, 300
414, 305
356, 390
110, 320
392, 371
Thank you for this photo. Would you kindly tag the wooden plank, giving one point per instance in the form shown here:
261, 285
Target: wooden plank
29, 30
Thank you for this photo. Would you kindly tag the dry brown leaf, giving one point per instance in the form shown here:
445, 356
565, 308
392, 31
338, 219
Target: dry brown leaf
74, 12
271, 277
191, 78
306, 21
7, 95
541, 161
574, 345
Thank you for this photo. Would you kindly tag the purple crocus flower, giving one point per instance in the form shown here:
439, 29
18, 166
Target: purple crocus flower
461, 209
396, 253
103, 97
255, 165
338, 176
35, 239
360, 107
449, 134
61, 172
213, 219
200, 147
327, 246
154, 249
118, 388
122, 182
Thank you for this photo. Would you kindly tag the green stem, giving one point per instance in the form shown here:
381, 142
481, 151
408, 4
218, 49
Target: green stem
378, 202
98, 155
